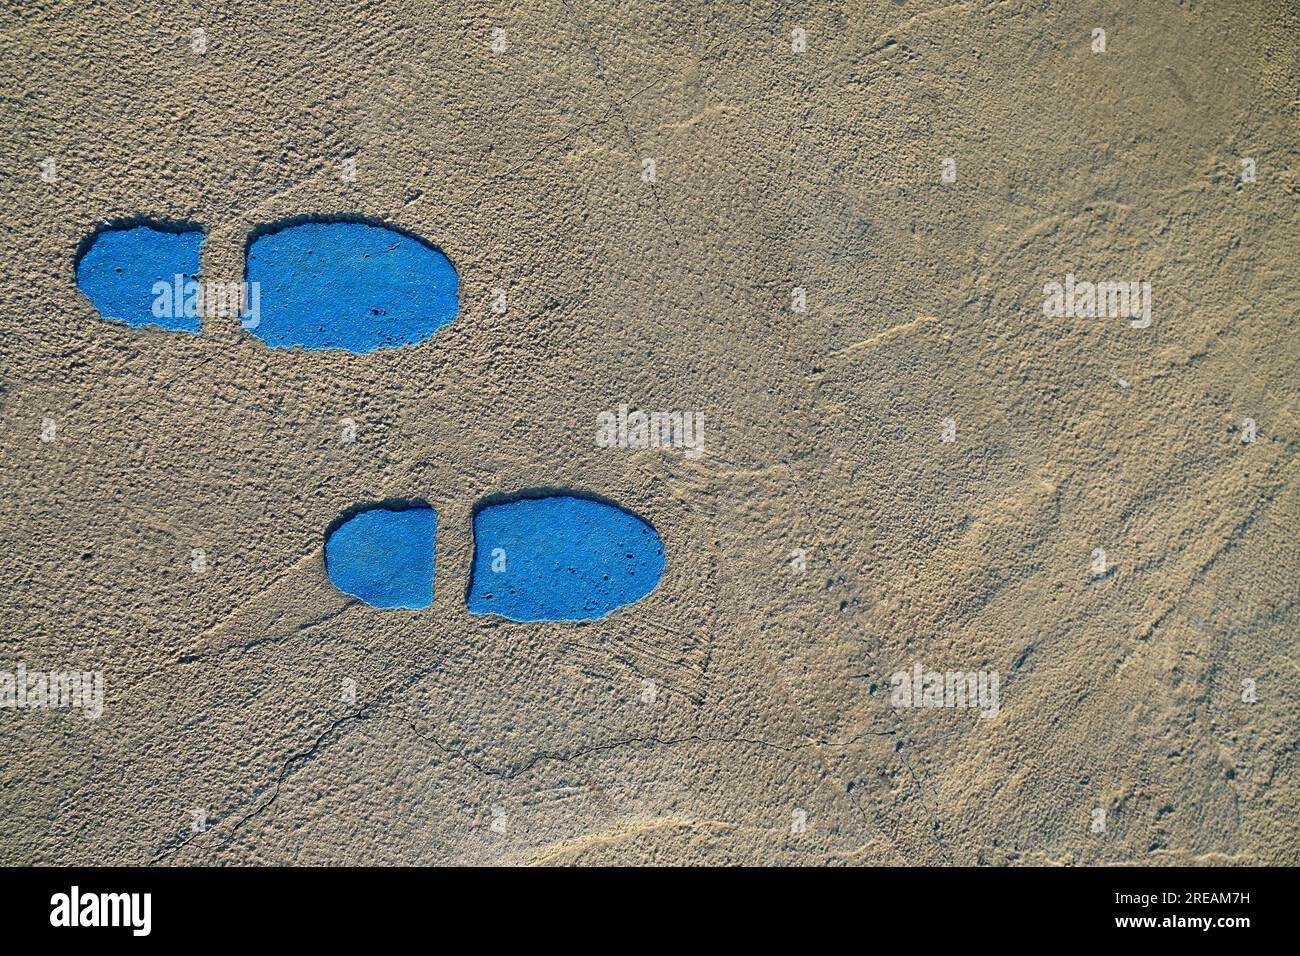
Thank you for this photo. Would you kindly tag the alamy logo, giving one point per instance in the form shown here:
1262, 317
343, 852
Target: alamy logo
624, 429
191, 298
923, 688
103, 909
83, 690
1089, 300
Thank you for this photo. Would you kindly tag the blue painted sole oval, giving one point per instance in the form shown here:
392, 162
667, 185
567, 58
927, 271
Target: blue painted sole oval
384, 556
349, 285
561, 558
144, 275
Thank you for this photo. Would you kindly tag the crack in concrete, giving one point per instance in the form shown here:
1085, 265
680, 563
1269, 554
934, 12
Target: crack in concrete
508, 772
303, 756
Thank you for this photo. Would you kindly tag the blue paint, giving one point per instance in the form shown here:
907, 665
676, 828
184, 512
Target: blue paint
565, 559
348, 285
131, 275
384, 557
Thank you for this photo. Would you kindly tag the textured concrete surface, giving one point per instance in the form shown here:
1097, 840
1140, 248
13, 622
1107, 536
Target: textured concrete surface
164, 496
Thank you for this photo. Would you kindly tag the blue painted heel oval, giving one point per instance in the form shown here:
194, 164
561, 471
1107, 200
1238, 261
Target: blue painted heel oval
144, 275
384, 556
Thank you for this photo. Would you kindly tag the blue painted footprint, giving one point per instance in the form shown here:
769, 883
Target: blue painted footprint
552, 558
359, 287
318, 284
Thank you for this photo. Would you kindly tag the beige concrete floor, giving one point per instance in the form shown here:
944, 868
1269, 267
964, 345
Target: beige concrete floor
770, 736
